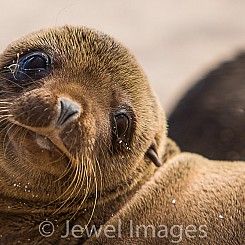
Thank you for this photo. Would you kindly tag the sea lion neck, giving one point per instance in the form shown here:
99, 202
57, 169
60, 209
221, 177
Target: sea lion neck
171, 149
107, 205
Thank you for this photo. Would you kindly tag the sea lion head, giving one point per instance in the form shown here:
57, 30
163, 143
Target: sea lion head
78, 117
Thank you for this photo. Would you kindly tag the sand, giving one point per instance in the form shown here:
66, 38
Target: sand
175, 41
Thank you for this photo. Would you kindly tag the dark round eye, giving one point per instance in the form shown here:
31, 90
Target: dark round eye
122, 125
34, 62
32, 66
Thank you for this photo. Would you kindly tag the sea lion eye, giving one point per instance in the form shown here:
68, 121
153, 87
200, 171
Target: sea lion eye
32, 66
121, 125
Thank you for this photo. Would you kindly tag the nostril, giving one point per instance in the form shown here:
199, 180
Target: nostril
68, 110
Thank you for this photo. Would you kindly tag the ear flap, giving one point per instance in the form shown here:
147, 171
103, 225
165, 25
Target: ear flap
153, 155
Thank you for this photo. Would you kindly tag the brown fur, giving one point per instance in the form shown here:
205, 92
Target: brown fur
118, 182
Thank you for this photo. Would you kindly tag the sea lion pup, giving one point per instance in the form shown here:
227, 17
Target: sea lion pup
85, 157
209, 119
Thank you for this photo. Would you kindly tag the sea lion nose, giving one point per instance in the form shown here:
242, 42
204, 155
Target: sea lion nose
69, 110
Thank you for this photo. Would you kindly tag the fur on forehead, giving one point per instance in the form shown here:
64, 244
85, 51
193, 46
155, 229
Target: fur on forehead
91, 52
82, 50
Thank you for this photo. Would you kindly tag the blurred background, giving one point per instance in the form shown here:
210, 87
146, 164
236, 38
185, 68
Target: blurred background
174, 41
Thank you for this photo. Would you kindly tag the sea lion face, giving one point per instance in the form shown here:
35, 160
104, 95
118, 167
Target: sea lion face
77, 115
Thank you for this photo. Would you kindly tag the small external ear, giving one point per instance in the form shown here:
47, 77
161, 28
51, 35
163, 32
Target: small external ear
153, 155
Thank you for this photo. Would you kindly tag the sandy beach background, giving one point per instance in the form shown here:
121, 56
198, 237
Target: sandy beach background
174, 41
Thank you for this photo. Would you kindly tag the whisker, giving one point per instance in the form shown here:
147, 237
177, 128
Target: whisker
70, 187
5, 142
100, 174
5, 102
96, 197
81, 183
78, 183
67, 190
4, 110
86, 192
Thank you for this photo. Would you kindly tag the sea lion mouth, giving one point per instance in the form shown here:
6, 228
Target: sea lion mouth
34, 141
51, 143
44, 142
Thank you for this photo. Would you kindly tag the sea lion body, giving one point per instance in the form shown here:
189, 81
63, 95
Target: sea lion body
189, 200
209, 119
81, 130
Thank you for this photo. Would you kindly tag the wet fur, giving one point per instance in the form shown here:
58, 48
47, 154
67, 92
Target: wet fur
88, 179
